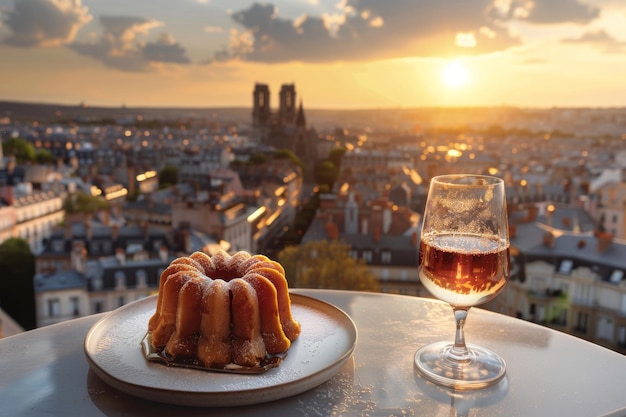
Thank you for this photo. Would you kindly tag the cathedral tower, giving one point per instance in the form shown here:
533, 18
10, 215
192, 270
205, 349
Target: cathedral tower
261, 112
287, 109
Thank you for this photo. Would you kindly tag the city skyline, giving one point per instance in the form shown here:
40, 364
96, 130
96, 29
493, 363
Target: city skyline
344, 54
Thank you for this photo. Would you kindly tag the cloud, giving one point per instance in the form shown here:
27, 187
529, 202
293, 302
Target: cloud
599, 39
354, 30
120, 47
561, 11
165, 49
368, 29
543, 11
42, 23
374, 29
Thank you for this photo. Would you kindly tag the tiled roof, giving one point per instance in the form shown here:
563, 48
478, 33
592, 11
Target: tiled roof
60, 280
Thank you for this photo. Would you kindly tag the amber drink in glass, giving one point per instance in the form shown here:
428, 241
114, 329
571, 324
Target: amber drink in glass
464, 261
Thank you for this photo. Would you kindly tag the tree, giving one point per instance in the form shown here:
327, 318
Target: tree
168, 176
21, 149
258, 158
286, 153
44, 156
323, 264
17, 289
83, 203
326, 173
336, 155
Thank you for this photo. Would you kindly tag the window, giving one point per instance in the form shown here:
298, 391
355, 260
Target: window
120, 280
94, 247
621, 336
559, 315
367, 256
581, 322
142, 279
133, 248
120, 301
566, 266
75, 305
539, 285
54, 307
96, 283
386, 257
58, 245
97, 306
616, 276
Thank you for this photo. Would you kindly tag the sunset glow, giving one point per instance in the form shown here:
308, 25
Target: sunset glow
455, 75
339, 54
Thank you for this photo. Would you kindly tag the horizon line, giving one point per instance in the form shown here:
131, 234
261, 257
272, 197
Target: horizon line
85, 105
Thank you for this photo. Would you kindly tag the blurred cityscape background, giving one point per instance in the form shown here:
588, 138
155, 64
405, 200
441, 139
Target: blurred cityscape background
97, 201
308, 138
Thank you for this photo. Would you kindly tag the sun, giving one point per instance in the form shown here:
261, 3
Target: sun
455, 75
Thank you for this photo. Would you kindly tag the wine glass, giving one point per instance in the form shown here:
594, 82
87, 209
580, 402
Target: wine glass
464, 261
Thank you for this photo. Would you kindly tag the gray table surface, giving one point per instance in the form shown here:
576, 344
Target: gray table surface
44, 372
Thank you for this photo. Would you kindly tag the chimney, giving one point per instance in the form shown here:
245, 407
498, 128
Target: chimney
387, 220
6, 193
88, 230
120, 255
67, 230
145, 228
187, 241
131, 178
604, 241
150, 201
163, 253
115, 231
332, 231
106, 217
78, 257
548, 239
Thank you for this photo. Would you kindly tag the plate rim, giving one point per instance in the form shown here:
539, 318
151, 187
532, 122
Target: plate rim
248, 396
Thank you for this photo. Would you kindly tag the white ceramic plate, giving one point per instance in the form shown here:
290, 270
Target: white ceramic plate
113, 350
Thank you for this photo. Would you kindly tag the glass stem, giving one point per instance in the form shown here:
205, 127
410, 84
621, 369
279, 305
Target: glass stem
459, 351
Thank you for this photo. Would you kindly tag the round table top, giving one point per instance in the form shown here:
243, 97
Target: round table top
45, 371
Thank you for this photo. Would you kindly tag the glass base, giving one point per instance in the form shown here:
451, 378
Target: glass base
484, 367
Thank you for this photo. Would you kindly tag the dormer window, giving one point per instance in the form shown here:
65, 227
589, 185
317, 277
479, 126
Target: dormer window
142, 279
616, 276
96, 284
120, 280
566, 267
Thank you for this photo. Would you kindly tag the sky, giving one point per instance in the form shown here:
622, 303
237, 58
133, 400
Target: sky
340, 54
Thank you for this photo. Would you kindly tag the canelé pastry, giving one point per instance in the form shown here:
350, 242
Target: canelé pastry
223, 310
